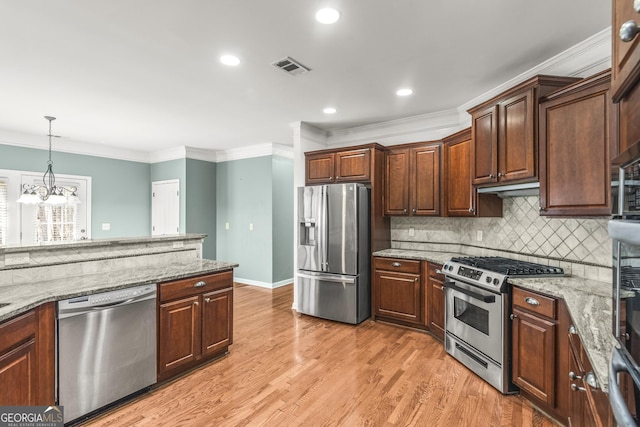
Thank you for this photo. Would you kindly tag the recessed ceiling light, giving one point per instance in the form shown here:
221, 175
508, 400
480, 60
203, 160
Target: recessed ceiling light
404, 92
329, 110
229, 60
327, 16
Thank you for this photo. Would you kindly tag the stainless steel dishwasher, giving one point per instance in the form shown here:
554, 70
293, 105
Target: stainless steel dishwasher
106, 348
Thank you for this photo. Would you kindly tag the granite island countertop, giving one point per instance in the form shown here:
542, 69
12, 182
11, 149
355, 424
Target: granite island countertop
21, 297
588, 302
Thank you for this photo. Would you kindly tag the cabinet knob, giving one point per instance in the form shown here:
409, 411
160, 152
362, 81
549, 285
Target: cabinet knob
500, 174
414, 210
576, 387
415, 280
491, 175
573, 330
636, 6
404, 210
200, 284
628, 30
207, 299
512, 316
573, 376
471, 210
196, 303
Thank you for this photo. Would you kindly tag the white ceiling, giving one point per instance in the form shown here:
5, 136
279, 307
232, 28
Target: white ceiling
145, 74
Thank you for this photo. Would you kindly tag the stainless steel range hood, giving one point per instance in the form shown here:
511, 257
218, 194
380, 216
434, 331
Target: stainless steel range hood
513, 190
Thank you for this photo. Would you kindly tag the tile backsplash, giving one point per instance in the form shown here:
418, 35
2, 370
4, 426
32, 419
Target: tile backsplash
521, 231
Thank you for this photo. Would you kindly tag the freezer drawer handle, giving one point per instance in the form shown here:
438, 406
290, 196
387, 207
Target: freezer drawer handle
475, 295
328, 278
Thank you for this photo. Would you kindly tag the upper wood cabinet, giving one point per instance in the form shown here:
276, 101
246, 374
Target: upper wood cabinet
461, 198
626, 54
504, 131
412, 185
338, 166
575, 135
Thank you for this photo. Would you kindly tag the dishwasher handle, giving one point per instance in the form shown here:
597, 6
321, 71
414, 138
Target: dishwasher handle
65, 310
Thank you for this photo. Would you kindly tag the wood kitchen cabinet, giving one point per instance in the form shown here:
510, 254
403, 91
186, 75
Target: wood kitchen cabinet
397, 288
338, 166
539, 350
575, 135
504, 132
27, 358
412, 180
434, 300
195, 321
461, 198
588, 404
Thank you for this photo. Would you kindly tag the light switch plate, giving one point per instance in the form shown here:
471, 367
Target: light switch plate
16, 259
412, 231
250, 227
106, 226
479, 235
226, 225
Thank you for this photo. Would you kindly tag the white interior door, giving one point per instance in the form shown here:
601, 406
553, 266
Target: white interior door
165, 207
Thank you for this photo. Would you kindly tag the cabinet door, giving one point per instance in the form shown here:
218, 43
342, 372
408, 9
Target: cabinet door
179, 333
484, 156
436, 299
574, 154
353, 165
217, 321
626, 55
425, 181
319, 168
398, 296
460, 192
396, 190
19, 374
533, 356
516, 149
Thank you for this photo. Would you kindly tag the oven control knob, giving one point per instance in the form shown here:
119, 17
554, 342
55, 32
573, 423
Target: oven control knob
496, 282
489, 279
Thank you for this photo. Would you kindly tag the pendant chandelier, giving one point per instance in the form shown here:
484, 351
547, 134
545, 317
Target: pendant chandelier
48, 192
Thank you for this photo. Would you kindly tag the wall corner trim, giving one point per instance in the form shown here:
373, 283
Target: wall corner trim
263, 284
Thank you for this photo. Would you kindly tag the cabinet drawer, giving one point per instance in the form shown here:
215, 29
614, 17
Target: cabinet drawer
395, 264
534, 302
195, 285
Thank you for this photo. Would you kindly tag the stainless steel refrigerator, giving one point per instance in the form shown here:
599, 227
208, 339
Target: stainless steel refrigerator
333, 276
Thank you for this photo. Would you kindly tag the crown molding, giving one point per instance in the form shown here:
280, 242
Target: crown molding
259, 150
586, 58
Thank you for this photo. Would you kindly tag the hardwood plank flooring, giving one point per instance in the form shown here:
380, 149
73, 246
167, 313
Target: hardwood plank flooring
287, 369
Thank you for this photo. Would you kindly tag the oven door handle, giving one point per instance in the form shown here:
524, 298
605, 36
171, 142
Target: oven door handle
475, 295
617, 401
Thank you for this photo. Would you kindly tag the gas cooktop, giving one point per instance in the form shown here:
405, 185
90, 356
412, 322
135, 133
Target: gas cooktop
492, 272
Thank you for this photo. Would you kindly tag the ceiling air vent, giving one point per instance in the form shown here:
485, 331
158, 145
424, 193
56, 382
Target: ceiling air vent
291, 66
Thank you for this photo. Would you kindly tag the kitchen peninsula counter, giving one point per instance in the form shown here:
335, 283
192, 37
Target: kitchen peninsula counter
21, 297
588, 302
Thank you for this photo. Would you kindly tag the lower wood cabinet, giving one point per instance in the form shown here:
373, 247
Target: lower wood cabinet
27, 358
195, 321
410, 293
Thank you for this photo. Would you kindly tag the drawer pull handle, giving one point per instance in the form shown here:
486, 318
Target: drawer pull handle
576, 387
396, 264
573, 376
628, 31
531, 301
573, 330
200, 284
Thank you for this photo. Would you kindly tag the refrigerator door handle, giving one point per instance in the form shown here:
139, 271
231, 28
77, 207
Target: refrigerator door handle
324, 232
328, 278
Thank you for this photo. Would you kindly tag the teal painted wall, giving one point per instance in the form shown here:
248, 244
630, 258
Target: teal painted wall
172, 169
118, 187
200, 199
244, 196
282, 242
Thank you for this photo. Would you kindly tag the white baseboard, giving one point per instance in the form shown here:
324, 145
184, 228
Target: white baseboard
263, 284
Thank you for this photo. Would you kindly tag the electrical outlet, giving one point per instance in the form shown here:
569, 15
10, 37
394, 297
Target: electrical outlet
250, 227
226, 225
412, 231
479, 235
16, 259
106, 226
177, 245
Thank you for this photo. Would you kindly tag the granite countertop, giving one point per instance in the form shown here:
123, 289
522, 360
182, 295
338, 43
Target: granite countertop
25, 296
588, 301
100, 242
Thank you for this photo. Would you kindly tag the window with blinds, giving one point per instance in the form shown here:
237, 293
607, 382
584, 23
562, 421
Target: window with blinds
55, 223
3, 212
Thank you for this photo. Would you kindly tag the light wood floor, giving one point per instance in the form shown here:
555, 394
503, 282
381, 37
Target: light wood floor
287, 369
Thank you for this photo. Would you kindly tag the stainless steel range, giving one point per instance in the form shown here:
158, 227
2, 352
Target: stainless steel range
477, 305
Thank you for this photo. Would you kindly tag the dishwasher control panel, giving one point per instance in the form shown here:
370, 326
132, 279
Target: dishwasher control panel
108, 298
